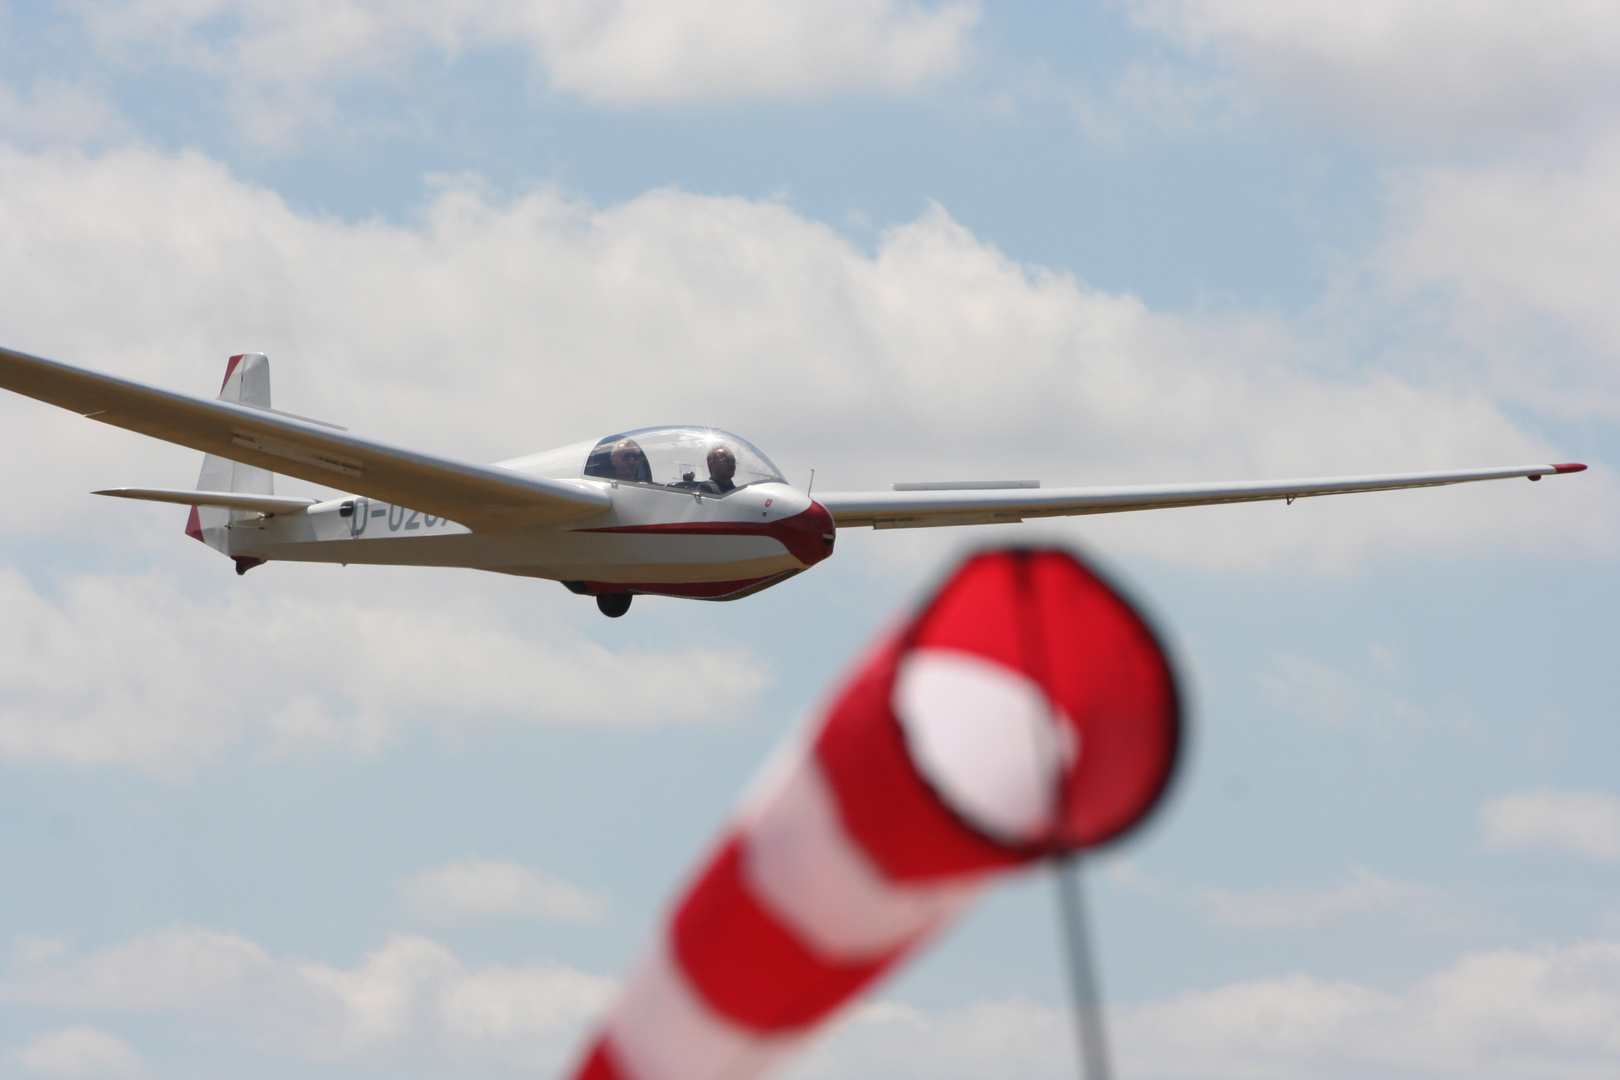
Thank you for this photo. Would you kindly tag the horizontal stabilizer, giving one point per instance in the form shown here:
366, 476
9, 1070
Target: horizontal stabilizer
230, 500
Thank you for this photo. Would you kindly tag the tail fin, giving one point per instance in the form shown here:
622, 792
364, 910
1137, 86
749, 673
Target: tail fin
247, 382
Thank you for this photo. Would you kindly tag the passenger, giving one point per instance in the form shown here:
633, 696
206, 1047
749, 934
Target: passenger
722, 467
630, 462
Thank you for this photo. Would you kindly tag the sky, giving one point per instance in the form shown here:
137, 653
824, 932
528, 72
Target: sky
392, 822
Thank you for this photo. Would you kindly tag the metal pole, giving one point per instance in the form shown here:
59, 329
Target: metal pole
1088, 1019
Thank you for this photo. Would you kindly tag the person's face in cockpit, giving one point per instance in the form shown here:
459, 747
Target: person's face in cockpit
626, 458
722, 464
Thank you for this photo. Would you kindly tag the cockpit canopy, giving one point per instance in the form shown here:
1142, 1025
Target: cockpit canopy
704, 460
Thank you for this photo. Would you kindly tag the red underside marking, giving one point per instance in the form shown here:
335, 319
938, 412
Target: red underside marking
194, 526
702, 590
230, 368
1571, 467
808, 536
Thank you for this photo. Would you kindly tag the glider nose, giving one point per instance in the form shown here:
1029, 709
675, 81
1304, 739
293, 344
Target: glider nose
809, 534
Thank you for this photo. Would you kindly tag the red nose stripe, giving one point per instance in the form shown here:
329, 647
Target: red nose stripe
807, 535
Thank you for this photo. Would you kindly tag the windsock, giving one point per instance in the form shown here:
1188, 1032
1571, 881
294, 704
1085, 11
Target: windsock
1026, 711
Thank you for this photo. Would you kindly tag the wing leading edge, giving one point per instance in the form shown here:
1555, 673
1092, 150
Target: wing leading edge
481, 497
942, 506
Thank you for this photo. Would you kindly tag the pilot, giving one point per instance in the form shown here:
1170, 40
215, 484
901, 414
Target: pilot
722, 467
629, 462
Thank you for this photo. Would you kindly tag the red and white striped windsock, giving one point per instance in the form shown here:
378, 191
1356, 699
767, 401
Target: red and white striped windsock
1026, 710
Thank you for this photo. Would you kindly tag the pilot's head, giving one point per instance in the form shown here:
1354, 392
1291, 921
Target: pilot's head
722, 463
627, 457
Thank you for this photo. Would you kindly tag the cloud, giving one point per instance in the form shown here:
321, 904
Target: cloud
140, 670
1365, 892
1510, 1013
1332, 698
56, 111
281, 64
410, 999
1581, 823
497, 326
1423, 74
1519, 259
646, 52
79, 1051
477, 886
987, 1040
1552, 1013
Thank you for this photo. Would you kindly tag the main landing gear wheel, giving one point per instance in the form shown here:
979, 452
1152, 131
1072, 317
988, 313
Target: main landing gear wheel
613, 604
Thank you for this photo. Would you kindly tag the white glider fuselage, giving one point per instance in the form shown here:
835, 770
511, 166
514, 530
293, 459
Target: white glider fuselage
651, 539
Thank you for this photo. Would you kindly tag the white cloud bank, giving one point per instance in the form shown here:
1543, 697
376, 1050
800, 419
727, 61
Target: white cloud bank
1417, 72
1520, 259
410, 1000
474, 886
1365, 892
1330, 697
146, 672
1550, 1013
498, 327
641, 52
79, 1051
1580, 823
279, 62
1502, 1015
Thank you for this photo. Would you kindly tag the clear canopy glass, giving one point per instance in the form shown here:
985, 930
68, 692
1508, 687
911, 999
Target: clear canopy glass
705, 460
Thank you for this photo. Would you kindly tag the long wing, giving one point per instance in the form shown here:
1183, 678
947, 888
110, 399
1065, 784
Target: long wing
958, 505
481, 497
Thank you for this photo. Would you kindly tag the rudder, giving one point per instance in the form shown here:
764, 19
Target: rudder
247, 382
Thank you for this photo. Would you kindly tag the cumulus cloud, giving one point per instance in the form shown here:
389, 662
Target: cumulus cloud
1580, 823
1415, 72
1331, 697
411, 999
79, 1051
280, 63
474, 886
140, 670
56, 111
499, 326
641, 52
1365, 892
1510, 1013
1551, 1013
988, 1040
1520, 259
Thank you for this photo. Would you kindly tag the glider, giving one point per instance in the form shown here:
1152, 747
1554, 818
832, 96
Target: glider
671, 511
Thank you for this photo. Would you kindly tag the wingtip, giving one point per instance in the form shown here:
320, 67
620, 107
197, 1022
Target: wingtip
1573, 466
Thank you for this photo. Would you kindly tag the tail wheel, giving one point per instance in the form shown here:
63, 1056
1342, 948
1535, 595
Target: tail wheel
613, 604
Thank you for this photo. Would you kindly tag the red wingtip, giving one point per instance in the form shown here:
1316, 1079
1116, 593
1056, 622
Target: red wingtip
194, 526
1571, 467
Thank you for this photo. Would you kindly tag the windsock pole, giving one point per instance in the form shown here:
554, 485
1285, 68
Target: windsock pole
1088, 1018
